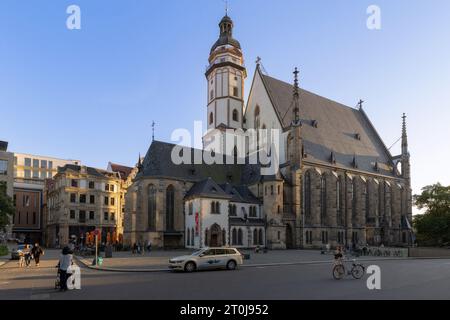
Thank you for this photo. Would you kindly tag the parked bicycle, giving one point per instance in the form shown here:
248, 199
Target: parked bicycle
340, 270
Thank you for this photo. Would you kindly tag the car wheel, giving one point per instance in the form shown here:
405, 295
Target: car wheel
231, 265
190, 266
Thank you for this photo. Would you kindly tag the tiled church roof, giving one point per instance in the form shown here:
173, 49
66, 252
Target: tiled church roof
331, 130
158, 163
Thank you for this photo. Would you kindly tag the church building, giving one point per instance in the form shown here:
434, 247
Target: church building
335, 183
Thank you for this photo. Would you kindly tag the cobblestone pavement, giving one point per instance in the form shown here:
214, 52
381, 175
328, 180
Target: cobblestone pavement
157, 260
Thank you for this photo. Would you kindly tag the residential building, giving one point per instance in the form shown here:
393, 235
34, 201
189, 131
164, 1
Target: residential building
81, 199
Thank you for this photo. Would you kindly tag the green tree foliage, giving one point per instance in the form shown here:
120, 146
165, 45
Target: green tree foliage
6, 207
433, 227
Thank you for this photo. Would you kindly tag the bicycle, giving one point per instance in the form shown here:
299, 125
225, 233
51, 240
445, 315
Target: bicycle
339, 270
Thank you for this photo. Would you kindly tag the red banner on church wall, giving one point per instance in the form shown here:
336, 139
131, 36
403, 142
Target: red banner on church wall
196, 224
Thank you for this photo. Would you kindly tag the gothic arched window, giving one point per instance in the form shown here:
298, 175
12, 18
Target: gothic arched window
354, 198
170, 208
151, 210
261, 240
339, 201
234, 237
224, 237
192, 237
323, 199
307, 193
235, 115
255, 237
367, 191
257, 118
211, 118
240, 241
188, 237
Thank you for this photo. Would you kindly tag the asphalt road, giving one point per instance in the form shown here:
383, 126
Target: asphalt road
403, 279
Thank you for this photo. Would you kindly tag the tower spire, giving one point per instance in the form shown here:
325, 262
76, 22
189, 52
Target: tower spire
296, 118
404, 136
153, 131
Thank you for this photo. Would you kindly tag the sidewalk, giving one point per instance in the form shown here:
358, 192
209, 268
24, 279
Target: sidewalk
157, 261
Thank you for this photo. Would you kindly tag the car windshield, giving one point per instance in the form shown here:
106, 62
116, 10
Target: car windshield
199, 252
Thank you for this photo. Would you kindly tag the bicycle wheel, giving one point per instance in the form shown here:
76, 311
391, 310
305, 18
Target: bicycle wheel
338, 272
357, 271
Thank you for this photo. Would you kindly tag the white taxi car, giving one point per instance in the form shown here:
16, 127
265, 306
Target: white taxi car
208, 258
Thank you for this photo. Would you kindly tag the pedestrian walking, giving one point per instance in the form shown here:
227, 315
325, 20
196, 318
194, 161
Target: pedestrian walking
134, 248
27, 255
149, 246
65, 261
36, 253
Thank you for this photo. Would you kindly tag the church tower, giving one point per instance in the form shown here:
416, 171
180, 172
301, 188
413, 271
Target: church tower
225, 75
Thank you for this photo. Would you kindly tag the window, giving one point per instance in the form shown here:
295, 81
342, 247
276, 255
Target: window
106, 201
367, 200
34, 217
91, 199
255, 237
192, 237
278, 189
170, 208
188, 237
44, 164
261, 240
91, 215
279, 235
112, 216
35, 174
91, 185
257, 118
72, 214
323, 199
106, 187
73, 198
235, 115
111, 188
215, 207
27, 174
105, 216
240, 236
35, 163
82, 216
236, 91
211, 118
50, 164
191, 208
74, 183
211, 95
151, 210
307, 192
27, 162
339, 202
234, 237
113, 201
3, 167
82, 198
271, 190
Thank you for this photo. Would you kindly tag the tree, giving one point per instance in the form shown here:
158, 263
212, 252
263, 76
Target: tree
6, 207
433, 227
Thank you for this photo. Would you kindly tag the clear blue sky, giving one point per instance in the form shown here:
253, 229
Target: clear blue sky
91, 94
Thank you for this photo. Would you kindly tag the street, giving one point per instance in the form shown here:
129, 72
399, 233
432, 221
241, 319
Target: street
400, 279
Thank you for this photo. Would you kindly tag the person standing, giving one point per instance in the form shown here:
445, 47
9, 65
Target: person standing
149, 246
65, 261
37, 252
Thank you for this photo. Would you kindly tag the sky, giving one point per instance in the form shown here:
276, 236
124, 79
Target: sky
92, 94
